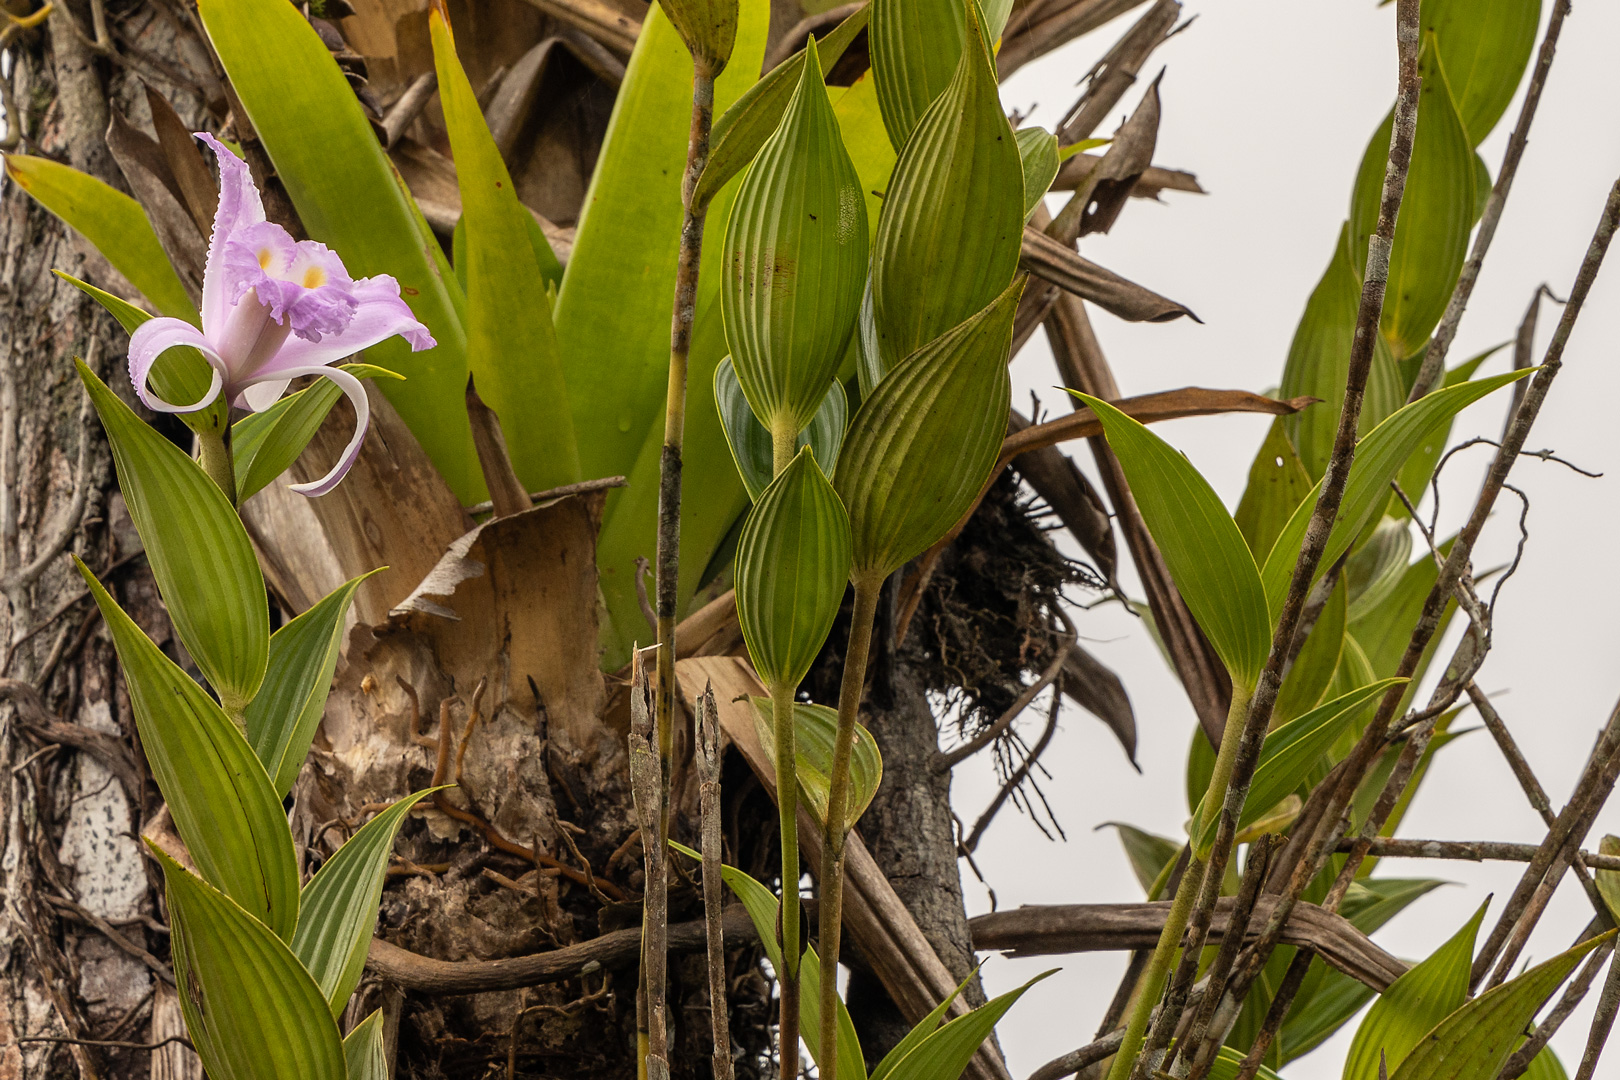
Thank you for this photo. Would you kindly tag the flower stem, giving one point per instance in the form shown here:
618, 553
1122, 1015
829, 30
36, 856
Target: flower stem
787, 802
867, 588
1164, 953
214, 455
783, 446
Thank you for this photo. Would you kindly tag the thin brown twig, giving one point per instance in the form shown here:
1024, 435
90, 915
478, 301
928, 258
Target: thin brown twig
1602, 1024
647, 783
1019, 775
709, 826
111, 1044
1385, 847
1435, 357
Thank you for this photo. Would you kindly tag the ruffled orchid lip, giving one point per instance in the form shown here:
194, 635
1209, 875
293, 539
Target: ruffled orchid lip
275, 309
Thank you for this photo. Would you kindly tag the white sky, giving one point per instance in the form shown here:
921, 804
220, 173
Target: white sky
1271, 104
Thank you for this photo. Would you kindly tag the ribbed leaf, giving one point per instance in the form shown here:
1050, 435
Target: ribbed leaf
1277, 483
197, 548
1326, 1001
218, 794
1419, 468
709, 28
1473, 1042
1379, 458
952, 223
282, 719
1228, 1066
923, 444
920, 1031
795, 261
915, 46
945, 1054
1437, 212
114, 224
1484, 45
1206, 554
364, 1051
814, 729
265, 444
751, 444
741, 130
613, 311
252, 1011
763, 907
349, 197
1290, 752
1608, 881
792, 564
1377, 566
1372, 902
1428, 993
1546, 1066
511, 344
1308, 678
1319, 364
180, 374
1038, 153
340, 905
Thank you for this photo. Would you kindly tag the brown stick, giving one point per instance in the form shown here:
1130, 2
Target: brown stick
1116, 72
647, 785
713, 913
1469, 851
1602, 1024
1435, 357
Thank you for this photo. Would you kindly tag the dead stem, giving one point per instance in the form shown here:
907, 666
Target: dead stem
709, 780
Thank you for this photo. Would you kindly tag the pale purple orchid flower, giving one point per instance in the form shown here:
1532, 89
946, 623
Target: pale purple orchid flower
272, 310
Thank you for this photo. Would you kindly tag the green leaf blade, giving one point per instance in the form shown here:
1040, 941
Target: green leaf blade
217, 792
512, 346
364, 1050
1206, 554
252, 1011
197, 548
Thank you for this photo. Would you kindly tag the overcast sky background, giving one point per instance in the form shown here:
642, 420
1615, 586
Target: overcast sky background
1271, 104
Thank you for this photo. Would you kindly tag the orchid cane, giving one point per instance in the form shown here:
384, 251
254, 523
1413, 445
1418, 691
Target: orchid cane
274, 309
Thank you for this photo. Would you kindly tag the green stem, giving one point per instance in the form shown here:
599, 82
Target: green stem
1157, 974
867, 589
784, 445
214, 455
787, 802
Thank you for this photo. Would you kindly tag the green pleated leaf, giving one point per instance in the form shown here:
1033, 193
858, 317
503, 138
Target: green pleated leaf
1379, 459
815, 728
218, 794
1148, 853
1307, 680
1372, 902
1474, 1042
1326, 1001
613, 311
1484, 46
1437, 212
1038, 153
751, 444
922, 445
762, 907
282, 719
1319, 364
741, 130
1428, 993
1228, 1065
795, 261
511, 344
197, 549
915, 45
945, 1054
708, 27
180, 374
1277, 483
340, 905
1383, 632
1290, 752
1206, 554
265, 444
114, 224
364, 1051
953, 213
923, 1028
349, 197
792, 564
1375, 570
252, 1011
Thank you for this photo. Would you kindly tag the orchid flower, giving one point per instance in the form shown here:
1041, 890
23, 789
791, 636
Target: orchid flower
272, 310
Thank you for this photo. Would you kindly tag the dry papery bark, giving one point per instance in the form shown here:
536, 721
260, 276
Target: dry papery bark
472, 660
